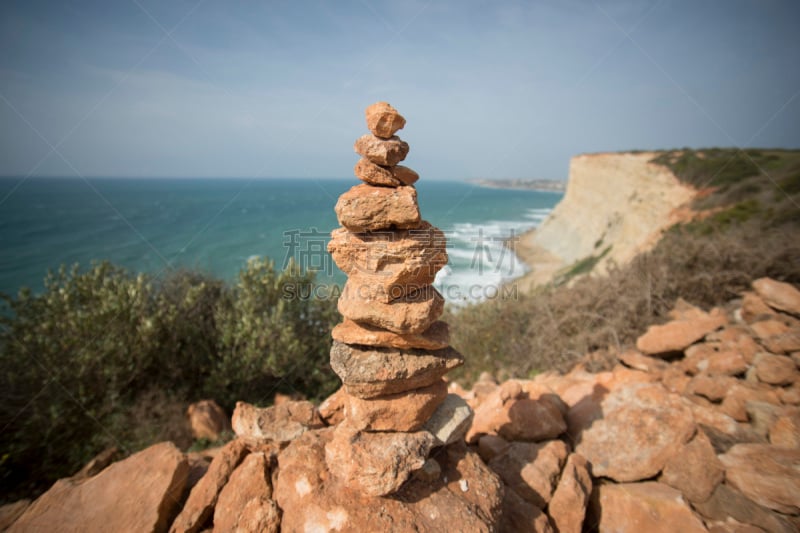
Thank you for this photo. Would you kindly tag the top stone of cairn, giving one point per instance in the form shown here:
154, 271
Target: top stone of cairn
383, 120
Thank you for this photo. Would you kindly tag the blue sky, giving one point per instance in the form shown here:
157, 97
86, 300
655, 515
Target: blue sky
489, 89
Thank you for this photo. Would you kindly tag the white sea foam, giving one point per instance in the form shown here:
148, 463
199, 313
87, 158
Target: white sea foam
482, 258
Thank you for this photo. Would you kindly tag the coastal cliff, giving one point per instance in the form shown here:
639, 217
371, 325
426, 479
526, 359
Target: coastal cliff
616, 206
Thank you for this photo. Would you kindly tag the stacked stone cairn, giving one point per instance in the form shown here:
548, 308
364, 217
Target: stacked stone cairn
391, 351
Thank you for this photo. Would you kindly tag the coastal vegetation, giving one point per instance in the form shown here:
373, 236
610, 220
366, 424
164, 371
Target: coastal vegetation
105, 357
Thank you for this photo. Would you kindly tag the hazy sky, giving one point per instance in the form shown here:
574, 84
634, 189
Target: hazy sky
489, 89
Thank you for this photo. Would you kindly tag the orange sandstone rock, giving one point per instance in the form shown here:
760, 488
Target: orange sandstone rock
386, 152
368, 208
373, 174
383, 120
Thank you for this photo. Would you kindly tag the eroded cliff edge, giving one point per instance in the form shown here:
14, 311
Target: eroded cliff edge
616, 206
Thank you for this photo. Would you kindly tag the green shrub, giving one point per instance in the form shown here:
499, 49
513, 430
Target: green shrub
106, 357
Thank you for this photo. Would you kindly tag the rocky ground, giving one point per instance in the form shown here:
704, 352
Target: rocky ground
696, 429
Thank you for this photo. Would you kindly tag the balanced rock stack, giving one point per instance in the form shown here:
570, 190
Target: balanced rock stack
391, 351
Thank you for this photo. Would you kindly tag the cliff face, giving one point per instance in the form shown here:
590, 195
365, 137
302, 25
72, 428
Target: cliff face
616, 206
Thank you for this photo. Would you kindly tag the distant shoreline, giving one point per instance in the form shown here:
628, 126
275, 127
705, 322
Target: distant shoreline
558, 186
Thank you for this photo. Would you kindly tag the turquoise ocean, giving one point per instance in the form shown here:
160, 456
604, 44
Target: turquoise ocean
215, 225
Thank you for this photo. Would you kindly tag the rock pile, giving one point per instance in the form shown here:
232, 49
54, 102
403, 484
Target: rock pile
391, 351
698, 429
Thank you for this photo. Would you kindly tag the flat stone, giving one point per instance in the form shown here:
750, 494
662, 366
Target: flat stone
279, 423
712, 387
373, 174
451, 420
729, 502
637, 507
385, 152
199, 507
390, 264
383, 120
766, 474
368, 208
139, 493
414, 313
567, 508
777, 336
436, 337
778, 295
402, 411
642, 427
775, 369
735, 403
245, 503
785, 431
369, 372
754, 308
677, 335
723, 363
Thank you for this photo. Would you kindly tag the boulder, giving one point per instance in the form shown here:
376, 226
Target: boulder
677, 335
371, 371
466, 496
567, 508
390, 264
140, 493
637, 507
768, 475
402, 411
413, 313
199, 508
207, 420
279, 423
368, 208
386, 152
532, 469
694, 470
245, 503
383, 120
643, 426
778, 295
436, 337
375, 464
373, 174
